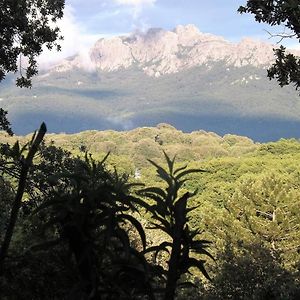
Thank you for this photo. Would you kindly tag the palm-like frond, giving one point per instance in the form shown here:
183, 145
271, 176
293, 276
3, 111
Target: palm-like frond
169, 214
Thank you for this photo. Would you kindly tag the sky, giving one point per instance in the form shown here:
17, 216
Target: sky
85, 21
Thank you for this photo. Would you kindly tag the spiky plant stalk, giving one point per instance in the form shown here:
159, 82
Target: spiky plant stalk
169, 214
26, 163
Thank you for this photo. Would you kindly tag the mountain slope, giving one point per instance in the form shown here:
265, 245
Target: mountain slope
204, 82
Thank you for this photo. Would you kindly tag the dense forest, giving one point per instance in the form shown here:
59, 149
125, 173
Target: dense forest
93, 226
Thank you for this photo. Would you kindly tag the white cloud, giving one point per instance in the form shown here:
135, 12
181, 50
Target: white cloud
76, 40
136, 8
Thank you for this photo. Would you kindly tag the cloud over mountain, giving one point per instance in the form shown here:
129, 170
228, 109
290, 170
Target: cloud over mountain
158, 52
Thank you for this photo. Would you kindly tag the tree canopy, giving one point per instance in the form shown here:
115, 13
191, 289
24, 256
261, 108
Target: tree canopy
286, 68
25, 27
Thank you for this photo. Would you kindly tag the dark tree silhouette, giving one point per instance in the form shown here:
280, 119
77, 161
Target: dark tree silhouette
25, 26
286, 68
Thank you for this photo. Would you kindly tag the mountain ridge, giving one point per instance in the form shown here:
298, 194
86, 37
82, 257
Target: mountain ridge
158, 52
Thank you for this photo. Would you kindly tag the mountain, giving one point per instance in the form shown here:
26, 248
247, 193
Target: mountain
189, 79
158, 52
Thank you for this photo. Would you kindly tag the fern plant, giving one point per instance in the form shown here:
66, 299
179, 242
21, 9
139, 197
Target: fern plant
169, 213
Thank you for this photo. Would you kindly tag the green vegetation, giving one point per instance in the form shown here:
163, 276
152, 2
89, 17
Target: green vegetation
286, 68
227, 206
126, 99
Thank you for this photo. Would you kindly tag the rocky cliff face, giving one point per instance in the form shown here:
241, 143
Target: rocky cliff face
158, 52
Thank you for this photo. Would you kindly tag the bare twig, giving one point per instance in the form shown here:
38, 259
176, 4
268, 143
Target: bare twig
281, 36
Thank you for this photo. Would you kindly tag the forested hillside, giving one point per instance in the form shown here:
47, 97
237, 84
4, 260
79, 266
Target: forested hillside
218, 98
245, 211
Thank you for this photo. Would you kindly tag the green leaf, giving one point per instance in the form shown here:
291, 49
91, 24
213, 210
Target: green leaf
187, 285
161, 210
180, 169
180, 206
24, 148
133, 184
162, 247
154, 190
193, 262
137, 225
201, 243
193, 233
163, 174
162, 220
187, 172
154, 197
199, 247
141, 203
191, 208
160, 227
169, 162
15, 151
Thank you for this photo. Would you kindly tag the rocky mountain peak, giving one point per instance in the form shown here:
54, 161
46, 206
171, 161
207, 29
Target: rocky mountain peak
189, 35
188, 29
158, 51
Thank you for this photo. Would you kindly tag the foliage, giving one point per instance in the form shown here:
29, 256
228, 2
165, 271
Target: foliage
89, 207
72, 194
138, 145
35, 275
286, 69
267, 207
16, 205
6, 196
26, 26
169, 215
4, 123
252, 273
